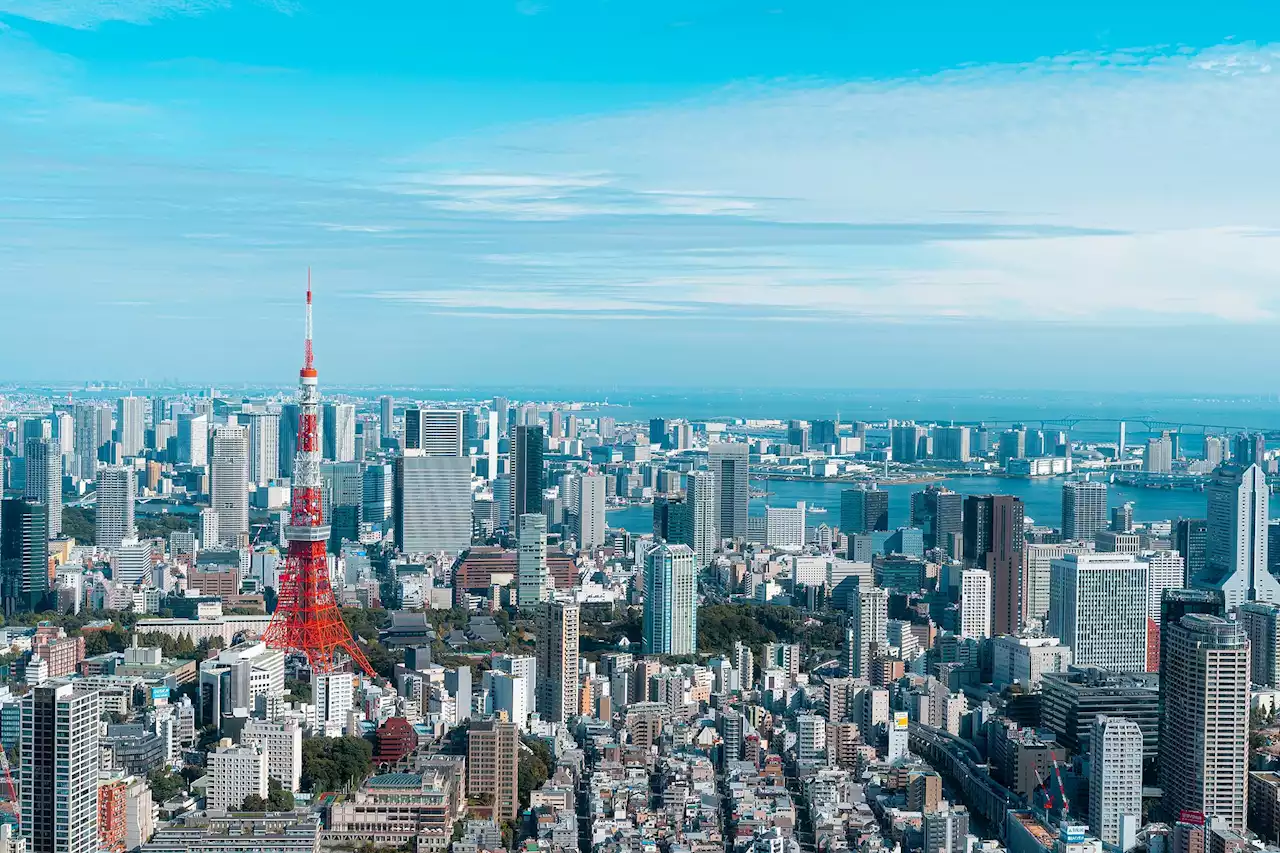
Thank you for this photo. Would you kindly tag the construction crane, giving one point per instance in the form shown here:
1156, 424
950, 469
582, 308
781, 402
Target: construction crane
8, 783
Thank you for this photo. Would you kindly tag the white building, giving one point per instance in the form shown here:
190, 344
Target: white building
784, 527
235, 773
338, 430
1098, 607
700, 497
116, 490
264, 446
208, 528
132, 563
333, 695
1115, 781
1165, 570
521, 667
131, 424
281, 740
591, 518
867, 624
1236, 537
1038, 562
1025, 660
508, 694
229, 489
811, 738
432, 503
975, 603
58, 776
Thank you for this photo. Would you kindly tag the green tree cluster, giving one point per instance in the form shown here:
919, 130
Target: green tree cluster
533, 769
296, 690
330, 764
78, 523
165, 784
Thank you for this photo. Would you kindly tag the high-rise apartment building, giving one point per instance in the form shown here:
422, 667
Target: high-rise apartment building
866, 627
1261, 622
528, 479
44, 479
730, 465
87, 440
59, 770
700, 506
863, 510
264, 447
670, 601
229, 490
1084, 509
532, 576
1236, 537
591, 518
131, 425
436, 432
432, 503
557, 679
952, 443
1159, 455
493, 751
1098, 607
386, 417
113, 520
975, 603
994, 539
1204, 744
281, 740
24, 555
1115, 781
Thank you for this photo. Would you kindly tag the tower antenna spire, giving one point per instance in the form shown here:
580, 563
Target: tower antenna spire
308, 361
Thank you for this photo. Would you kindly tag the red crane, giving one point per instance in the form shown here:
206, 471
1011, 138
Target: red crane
307, 620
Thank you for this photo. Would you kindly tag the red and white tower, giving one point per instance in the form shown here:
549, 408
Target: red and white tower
307, 620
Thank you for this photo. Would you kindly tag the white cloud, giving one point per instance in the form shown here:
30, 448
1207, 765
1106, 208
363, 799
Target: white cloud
87, 14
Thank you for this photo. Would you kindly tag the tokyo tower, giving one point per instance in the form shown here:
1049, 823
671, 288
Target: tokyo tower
307, 620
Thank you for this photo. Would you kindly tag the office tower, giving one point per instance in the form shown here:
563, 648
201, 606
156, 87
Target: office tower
1121, 440
1084, 509
1261, 622
289, 414
937, 511
1037, 568
229, 490
866, 627
557, 678
132, 564
501, 407
378, 484
386, 418
339, 432
730, 465
493, 750
44, 479
797, 436
436, 432
341, 499
591, 519
994, 540
114, 517
1013, 445
1236, 537
532, 575
1249, 449
951, 443
87, 440
24, 554
555, 424
784, 526
193, 440
1159, 456
131, 414
658, 431
264, 447
432, 504
824, 433
235, 774
908, 443
1204, 745
1165, 570
670, 601
59, 772
700, 506
1189, 540
863, 510
1215, 451
1115, 781
1098, 607
975, 603
528, 480
524, 668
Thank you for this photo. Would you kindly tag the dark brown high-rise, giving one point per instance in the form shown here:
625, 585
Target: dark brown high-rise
994, 540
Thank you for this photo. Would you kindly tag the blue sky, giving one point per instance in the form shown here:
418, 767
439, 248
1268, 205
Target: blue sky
661, 193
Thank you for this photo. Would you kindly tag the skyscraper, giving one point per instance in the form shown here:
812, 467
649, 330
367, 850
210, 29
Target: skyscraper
24, 554
87, 440
1204, 744
131, 424
658, 431
1189, 536
670, 601
289, 414
864, 510
1115, 780
432, 503
193, 440
975, 603
113, 522
1159, 455
1084, 509
44, 479
436, 432
994, 539
1261, 622
557, 680
867, 627
229, 490
951, 443
731, 465
378, 483
59, 773
264, 447
1236, 537
493, 751
339, 432
532, 576
937, 511
386, 418
1098, 607
1165, 570
700, 506
591, 518
528, 480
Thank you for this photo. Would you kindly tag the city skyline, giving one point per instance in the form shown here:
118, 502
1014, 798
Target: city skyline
522, 171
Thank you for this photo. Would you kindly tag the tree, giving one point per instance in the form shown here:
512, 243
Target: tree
534, 768
254, 803
278, 799
298, 691
330, 764
165, 784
